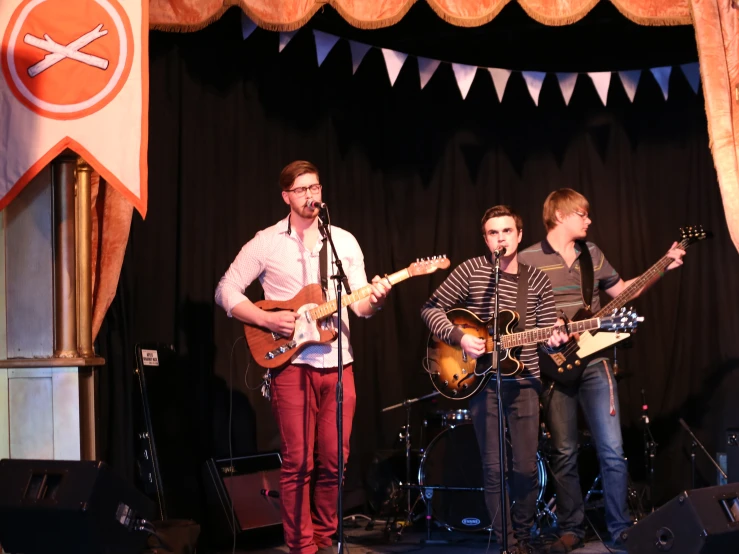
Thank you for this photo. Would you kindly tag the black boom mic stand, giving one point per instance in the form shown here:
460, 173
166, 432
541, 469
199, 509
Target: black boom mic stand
501, 426
340, 278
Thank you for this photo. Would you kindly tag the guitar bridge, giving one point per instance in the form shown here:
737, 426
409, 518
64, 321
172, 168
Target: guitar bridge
272, 354
558, 358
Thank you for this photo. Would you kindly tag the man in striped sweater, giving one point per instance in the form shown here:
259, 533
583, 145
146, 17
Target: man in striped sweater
472, 285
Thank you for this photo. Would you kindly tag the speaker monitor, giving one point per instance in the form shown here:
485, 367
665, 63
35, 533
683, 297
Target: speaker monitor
699, 521
244, 491
69, 506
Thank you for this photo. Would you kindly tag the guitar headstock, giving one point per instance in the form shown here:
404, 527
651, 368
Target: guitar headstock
424, 266
621, 320
691, 235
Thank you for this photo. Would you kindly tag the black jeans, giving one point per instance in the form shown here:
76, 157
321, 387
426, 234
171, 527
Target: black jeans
521, 411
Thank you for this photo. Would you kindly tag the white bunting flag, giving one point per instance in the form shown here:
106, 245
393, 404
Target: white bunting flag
426, 69
394, 61
534, 81
359, 50
692, 74
630, 80
247, 26
464, 74
100, 88
567, 85
285, 38
601, 82
662, 76
500, 80
324, 44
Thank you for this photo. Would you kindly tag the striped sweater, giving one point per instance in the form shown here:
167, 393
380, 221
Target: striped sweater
471, 286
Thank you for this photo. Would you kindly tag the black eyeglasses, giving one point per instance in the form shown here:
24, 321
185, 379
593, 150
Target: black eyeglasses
300, 191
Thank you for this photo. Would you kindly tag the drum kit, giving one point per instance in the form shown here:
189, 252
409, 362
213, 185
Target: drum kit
441, 481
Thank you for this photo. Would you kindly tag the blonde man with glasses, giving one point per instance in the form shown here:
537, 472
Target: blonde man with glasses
566, 217
285, 258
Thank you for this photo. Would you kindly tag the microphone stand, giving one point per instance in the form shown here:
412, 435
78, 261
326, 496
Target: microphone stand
501, 426
340, 277
694, 444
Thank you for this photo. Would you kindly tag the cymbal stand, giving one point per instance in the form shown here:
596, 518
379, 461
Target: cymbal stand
406, 436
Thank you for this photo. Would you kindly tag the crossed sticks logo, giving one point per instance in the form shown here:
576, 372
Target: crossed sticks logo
66, 59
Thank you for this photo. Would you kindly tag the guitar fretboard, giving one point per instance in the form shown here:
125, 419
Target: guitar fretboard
542, 334
657, 271
325, 310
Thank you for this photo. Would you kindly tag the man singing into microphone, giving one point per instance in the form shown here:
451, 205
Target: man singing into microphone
286, 257
472, 285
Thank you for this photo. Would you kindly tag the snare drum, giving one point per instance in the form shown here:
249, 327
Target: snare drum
438, 420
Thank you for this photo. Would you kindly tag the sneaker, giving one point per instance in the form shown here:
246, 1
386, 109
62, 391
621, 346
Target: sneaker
567, 542
525, 547
618, 545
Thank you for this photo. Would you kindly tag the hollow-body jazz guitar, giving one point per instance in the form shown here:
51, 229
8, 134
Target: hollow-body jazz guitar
457, 376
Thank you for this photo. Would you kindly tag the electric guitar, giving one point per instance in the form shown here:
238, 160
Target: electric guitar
273, 351
456, 376
567, 366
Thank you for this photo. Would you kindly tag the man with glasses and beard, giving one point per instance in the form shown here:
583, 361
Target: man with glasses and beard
285, 258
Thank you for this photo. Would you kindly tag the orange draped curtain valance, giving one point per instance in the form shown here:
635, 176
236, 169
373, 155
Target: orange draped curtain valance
288, 15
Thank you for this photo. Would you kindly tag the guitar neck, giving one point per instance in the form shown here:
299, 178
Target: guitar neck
657, 271
330, 307
542, 334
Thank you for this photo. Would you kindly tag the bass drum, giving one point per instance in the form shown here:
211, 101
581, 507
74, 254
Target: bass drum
452, 459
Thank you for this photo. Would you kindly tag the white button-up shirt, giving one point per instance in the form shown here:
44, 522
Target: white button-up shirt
284, 266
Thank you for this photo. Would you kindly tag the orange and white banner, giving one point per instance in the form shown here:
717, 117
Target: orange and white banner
75, 74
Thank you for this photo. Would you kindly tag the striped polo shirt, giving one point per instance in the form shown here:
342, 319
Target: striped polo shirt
566, 280
472, 286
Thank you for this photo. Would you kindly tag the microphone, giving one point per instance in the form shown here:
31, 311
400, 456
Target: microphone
644, 408
500, 252
269, 493
316, 205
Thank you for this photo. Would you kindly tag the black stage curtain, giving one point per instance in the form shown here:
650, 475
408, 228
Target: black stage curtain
410, 172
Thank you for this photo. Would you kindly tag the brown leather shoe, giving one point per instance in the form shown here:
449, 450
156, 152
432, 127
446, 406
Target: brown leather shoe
567, 542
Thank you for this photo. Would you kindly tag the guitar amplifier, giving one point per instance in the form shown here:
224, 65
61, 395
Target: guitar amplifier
243, 495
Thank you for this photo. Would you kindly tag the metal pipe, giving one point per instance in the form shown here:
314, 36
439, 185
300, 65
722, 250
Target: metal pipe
84, 259
65, 267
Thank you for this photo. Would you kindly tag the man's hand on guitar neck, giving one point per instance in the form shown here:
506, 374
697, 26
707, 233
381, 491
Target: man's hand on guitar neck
676, 253
558, 337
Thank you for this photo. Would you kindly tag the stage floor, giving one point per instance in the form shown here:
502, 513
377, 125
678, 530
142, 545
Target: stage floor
375, 541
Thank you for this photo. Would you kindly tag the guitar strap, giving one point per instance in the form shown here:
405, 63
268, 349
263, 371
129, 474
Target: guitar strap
587, 274
522, 298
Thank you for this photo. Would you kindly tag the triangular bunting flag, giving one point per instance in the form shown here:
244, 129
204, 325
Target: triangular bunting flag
662, 76
464, 74
67, 70
630, 80
426, 69
394, 61
601, 82
567, 85
500, 80
534, 80
324, 44
359, 50
247, 26
692, 74
285, 38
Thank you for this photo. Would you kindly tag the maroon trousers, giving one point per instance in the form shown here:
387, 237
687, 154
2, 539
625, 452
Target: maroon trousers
304, 405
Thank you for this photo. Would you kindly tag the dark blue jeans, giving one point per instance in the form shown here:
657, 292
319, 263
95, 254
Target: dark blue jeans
597, 394
521, 411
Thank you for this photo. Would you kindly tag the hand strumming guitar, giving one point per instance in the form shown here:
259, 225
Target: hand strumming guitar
281, 322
